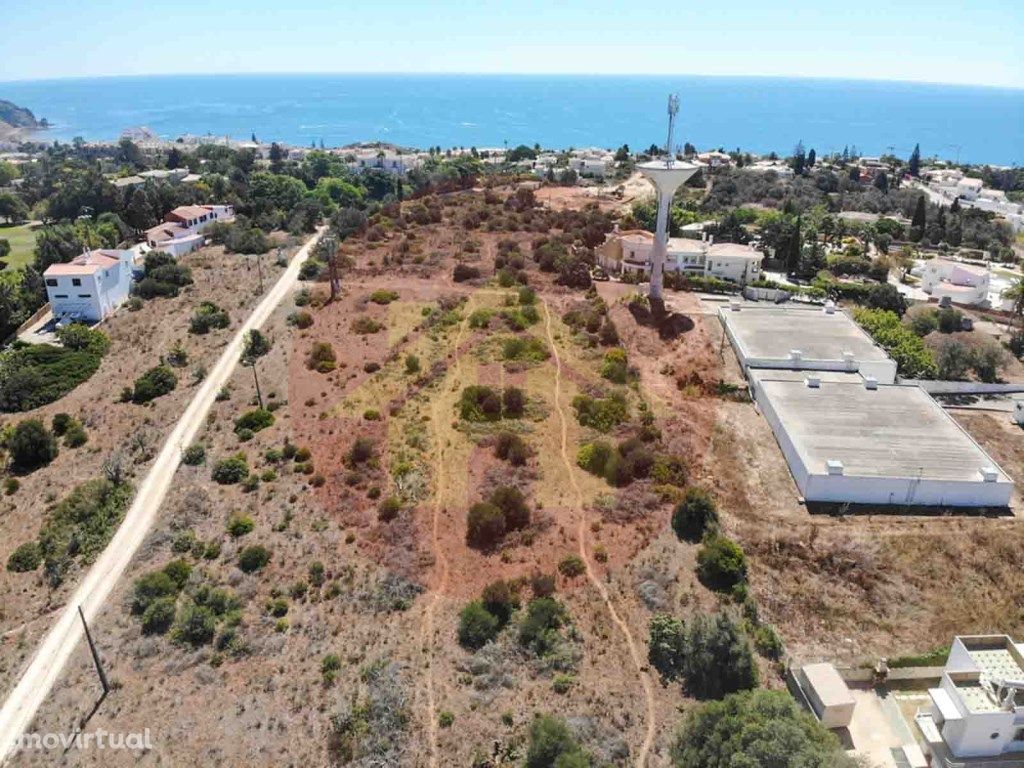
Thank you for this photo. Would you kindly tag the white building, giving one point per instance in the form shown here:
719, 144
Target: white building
89, 287
714, 159
390, 161
976, 715
969, 188
962, 283
182, 228
591, 165
630, 251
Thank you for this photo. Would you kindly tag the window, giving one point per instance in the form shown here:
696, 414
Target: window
52, 282
76, 281
60, 296
85, 295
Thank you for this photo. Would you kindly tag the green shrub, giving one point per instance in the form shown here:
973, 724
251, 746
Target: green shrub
711, 654
365, 325
511, 448
513, 402
485, 525
154, 383
178, 571
239, 525
31, 445
254, 420
412, 365
206, 317
572, 566
615, 366
721, 564
389, 509
383, 296
363, 449
477, 626
524, 349
695, 515
25, 558
322, 358
195, 626
594, 457
231, 470
75, 436
913, 359
463, 272
501, 599
513, 506
756, 728
527, 296
539, 628
78, 337
445, 719
151, 587
61, 423
562, 683
479, 403
194, 455
480, 318
159, 616
252, 559
601, 414
301, 319
768, 642
36, 374
552, 745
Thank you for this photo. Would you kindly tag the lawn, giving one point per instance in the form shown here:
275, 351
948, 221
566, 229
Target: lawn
23, 240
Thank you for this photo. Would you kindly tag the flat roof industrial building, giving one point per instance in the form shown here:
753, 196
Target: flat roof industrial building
803, 338
849, 440
849, 433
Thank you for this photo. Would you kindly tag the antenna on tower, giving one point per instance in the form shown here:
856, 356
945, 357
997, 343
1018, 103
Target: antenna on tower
673, 110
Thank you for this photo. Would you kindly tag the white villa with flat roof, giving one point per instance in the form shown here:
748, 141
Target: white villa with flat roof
182, 228
962, 283
630, 251
89, 287
976, 716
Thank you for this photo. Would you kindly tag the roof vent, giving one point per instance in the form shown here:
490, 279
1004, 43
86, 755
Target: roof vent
989, 474
813, 382
870, 382
795, 355
734, 305
834, 466
830, 307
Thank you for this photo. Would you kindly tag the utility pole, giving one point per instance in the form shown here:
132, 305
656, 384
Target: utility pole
95, 654
256, 379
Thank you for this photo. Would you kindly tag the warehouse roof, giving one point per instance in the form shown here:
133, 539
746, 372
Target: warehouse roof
890, 431
772, 332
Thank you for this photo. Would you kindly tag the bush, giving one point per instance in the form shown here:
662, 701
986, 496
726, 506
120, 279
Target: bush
513, 506
32, 445
383, 296
539, 628
464, 272
321, 357
301, 319
412, 365
501, 599
477, 626
25, 558
75, 436
362, 450
365, 325
572, 566
151, 587
36, 374
78, 337
512, 448
159, 616
194, 455
389, 509
712, 655
479, 403
240, 525
254, 420
311, 269
695, 515
154, 383
553, 746
524, 349
913, 359
514, 402
615, 367
527, 296
485, 525
594, 457
756, 728
601, 413
231, 470
721, 564
195, 626
480, 318
253, 558
61, 423
207, 316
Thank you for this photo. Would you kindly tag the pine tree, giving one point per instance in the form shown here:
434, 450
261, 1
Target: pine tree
811, 157
919, 220
882, 182
799, 158
139, 213
915, 161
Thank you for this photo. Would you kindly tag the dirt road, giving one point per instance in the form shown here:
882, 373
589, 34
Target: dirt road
52, 654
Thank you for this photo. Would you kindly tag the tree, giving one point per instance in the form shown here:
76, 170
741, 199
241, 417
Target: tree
886, 296
721, 563
711, 654
277, 157
553, 746
919, 220
756, 728
12, 208
914, 164
5, 248
881, 182
812, 156
477, 626
257, 344
694, 515
485, 525
799, 159
32, 445
139, 213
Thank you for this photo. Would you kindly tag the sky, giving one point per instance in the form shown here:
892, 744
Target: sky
950, 41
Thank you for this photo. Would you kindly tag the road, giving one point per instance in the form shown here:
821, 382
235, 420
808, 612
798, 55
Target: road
38, 678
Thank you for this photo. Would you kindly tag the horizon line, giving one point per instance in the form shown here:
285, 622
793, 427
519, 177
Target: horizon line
454, 73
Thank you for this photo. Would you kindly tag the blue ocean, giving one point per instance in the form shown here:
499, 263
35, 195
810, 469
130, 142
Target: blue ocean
757, 114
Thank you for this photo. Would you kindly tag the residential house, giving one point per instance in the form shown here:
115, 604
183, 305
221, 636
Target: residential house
182, 228
968, 188
975, 716
591, 163
89, 287
714, 159
385, 160
962, 283
630, 252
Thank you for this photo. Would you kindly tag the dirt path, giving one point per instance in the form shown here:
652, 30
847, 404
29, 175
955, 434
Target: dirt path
581, 536
42, 672
442, 567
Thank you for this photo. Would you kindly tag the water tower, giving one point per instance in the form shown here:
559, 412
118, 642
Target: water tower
667, 176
